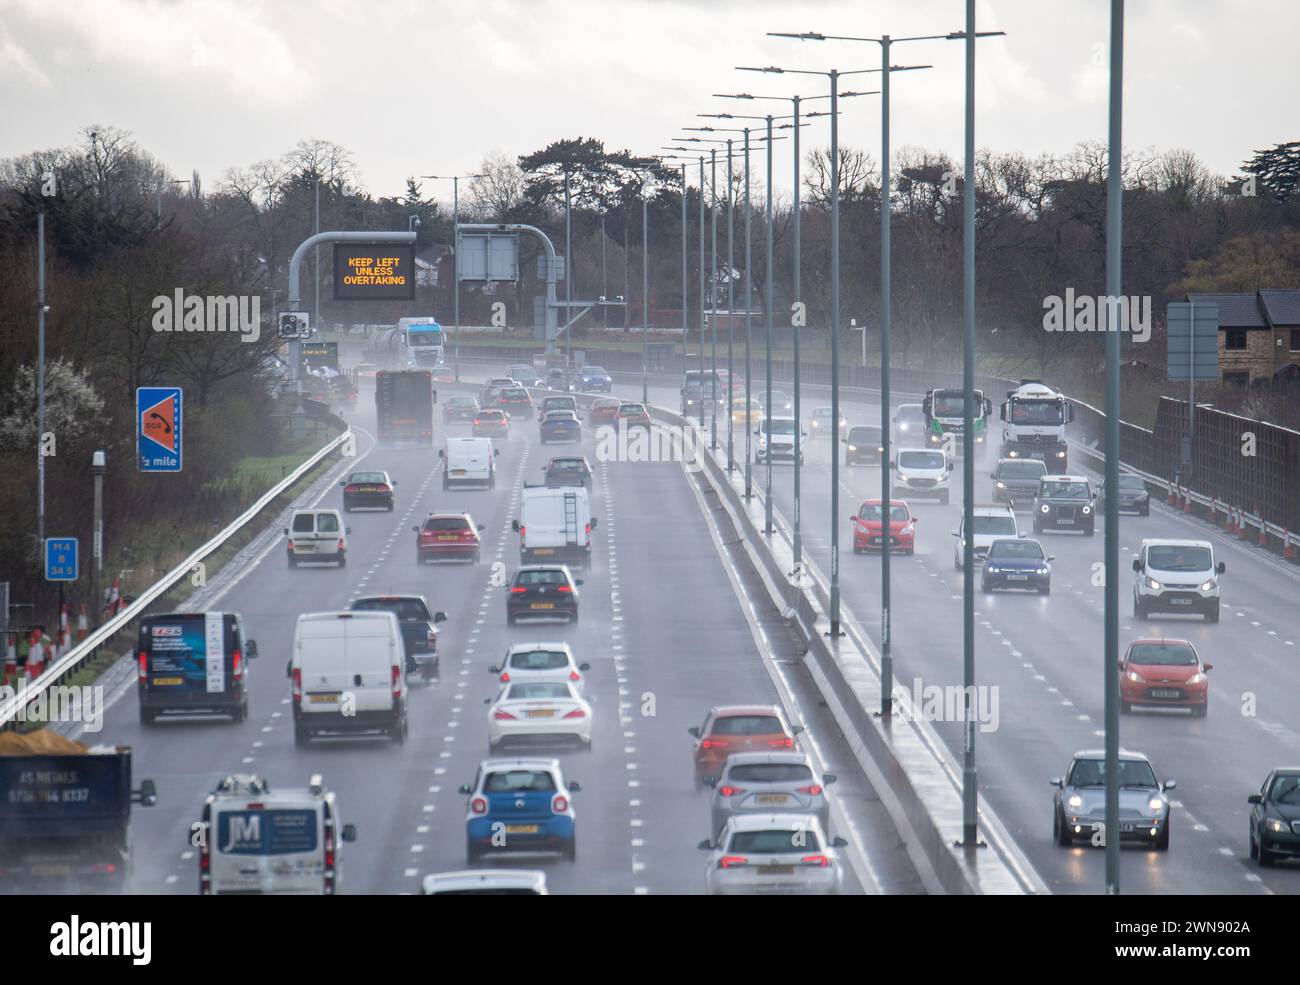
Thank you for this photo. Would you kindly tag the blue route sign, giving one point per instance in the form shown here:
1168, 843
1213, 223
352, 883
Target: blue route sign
158, 426
61, 559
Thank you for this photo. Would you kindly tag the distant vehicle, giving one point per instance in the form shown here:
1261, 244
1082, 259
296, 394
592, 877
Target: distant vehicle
538, 711
1164, 673
1176, 576
559, 425
1079, 804
991, 523
603, 410
528, 801
703, 386
731, 729
540, 591
348, 673
782, 405
746, 412
1275, 817
768, 783
515, 401
822, 424
1131, 495
557, 379
773, 853
491, 423
1016, 480
373, 489
317, 535
555, 524
633, 416
459, 408
774, 438
485, 882
448, 536
532, 662
65, 817
571, 471
469, 461
909, 426
193, 662
258, 841
404, 406
549, 404
417, 623
422, 340
593, 379
1015, 563
864, 445
868, 527
945, 419
1035, 416
526, 375
922, 472
1065, 501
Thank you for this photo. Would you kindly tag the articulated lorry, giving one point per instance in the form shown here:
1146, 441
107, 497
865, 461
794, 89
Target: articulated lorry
945, 422
1035, 415
404, 402
65, 815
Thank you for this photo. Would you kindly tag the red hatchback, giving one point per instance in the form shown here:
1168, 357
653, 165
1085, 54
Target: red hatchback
739, 728
515, 401
604, 410
868, 527
446, 536
1164, 672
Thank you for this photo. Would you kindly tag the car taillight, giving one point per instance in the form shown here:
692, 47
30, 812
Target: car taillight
290, 546
397, 682
144, 665
297, 684
505, 677
478, 420
559, 804
350, 488
576, 713
431, 639
237, 664
814, 789
517, 589
819, 860
574, 675
478, 806
730, 791
781, 743
521, 531
503, 716
713, 744
731, 861
564, 588
588, 529
342, 546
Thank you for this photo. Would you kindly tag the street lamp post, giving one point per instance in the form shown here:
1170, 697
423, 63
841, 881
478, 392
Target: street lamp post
767, 399
98, 465
645, 295
455, 275
731, 296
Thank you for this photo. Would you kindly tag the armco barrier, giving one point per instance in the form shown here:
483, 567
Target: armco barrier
57, 669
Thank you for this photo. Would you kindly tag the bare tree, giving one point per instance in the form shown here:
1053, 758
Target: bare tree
499, 192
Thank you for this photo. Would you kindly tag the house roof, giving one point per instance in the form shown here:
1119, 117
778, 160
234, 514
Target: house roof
1268, 308
1281, 307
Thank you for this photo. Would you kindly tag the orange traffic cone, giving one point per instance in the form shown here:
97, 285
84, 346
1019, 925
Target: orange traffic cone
35, 655
1288, 551
1242, 532
83, 627
1187, 500
1172, 498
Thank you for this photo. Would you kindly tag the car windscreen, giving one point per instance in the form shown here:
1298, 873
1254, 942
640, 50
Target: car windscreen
560, 415
367, 477
514, 393
1017, 549
519, 781
1286, 790
1042, 413
539, 660
539, 690
769, 773
747, 725
1162, 654
568, 464
1021, 470
995, 525
773, 842
864, 435
445, 524
777, 427
552, 403
949, 406
920, 460
1132, 483
631, 410
491, 415
594, 371
897, 514
1172, 558
1092, 773
1064, 490
910, 414
463, 401
527, 578
407, 610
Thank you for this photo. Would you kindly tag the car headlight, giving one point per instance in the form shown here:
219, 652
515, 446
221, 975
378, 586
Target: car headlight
1152, 584
990, 569
1087, 510
906, 531
1156, 804
1044, 508
1276, 826
1013, 454
1001, 485
1075, 801
902, 477
1135, 677
853, 447
1208, 586
1060, 454
1197, 678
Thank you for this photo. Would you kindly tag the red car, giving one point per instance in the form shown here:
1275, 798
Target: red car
1164, 672
868, 526
491, 423
604, 410
447, 536
738, 728
515, 401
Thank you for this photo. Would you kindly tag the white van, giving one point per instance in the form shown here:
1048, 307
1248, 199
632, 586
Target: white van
1176, 576
921, 472
317, 535
469, 462
349, 674
555, 525
253, 840
991, 523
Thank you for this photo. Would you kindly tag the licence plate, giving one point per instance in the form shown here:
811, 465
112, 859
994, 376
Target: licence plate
1124, 828
773, 798
167, 680
1180, 601
1017, 577
446, 536
51, 870
521, 829
543, 605
1165, 693
541, 713
776, 870
305, 548
320, 699
368, 489
544, 550
457, 471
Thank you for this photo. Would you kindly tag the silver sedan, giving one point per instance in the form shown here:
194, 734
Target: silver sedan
769, 783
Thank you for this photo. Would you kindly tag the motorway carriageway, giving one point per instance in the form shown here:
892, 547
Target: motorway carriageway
660, 617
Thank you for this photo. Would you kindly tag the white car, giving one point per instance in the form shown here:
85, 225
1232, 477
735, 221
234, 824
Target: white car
773, 853
822, 425
485, 882
1176, 576
546, 710
991, 523
525, 663
774, 437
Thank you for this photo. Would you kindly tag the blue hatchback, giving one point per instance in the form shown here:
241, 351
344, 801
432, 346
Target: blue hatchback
521, 805
560, 425
1017, 564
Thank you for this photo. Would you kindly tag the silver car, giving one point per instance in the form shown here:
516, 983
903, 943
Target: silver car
1080, 801
769, 783
773, 853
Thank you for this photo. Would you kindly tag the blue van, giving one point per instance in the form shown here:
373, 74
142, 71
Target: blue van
193, 662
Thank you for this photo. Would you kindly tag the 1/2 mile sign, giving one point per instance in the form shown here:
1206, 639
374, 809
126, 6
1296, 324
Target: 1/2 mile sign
159, 426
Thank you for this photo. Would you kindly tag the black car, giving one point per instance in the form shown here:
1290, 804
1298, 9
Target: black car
1131, 496
1065, 501
593, 379
1016, 480
549, 404
1015, 563
543, 591
560, 425
373, 489
459, 408
865, 445
567, 472
418, 631
557, 379
1275, 818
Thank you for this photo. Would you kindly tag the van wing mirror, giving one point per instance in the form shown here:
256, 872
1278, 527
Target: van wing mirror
440, 617
595, 522
1220, 567
1137, 564
442, 453
514, 525
349, 832
288, 668
251, 649
496, 451
147, 795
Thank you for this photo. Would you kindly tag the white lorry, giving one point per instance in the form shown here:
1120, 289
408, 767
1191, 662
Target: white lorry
1034, 417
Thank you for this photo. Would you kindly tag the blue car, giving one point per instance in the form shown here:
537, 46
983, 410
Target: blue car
560, 425
593, 379
520, 805
1017, 564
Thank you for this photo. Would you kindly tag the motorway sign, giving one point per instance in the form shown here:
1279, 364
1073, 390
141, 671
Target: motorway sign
159, 422
61, 559
488, 257
374, 272
1187, 352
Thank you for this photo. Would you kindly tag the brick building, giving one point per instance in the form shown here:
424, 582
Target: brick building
1259, 334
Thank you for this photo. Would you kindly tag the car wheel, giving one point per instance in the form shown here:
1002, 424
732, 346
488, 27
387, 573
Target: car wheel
147, 717
986, 588
1045, 590
857, 549
301, 736
343, 560
910, 551
574, 618
1126, 707
1254, 848
1090, 531
571, 849
956, 563
1061, 832
1139, 610
238, 714
390, 507
1162, 841
1201, 711
478, 552
398, 733
1038, 527
944, 499
1145, 511
472, 853
510, 620
1213, 614
293, 561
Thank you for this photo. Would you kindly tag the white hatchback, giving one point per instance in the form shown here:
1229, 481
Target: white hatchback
773, 853
525, 663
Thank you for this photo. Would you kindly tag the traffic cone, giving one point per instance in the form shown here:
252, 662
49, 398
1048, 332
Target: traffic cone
1187, 500
1242, 532
1263, 528
11, 657
1288, 551
1172, 498
83, 626
35, 655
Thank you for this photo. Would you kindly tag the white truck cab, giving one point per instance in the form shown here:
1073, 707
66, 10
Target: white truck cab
1176, 576
253, 841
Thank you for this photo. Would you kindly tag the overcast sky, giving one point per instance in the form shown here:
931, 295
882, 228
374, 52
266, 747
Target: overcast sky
430, 86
